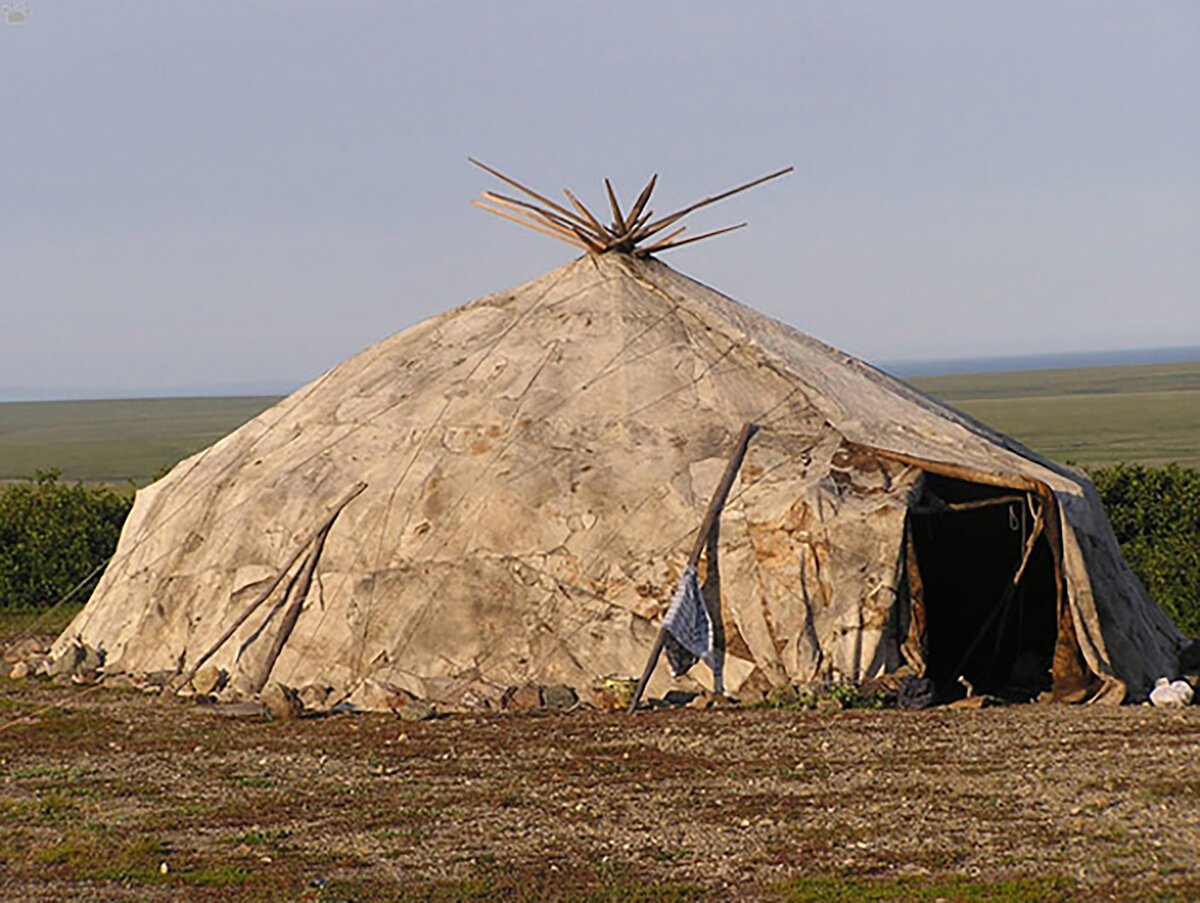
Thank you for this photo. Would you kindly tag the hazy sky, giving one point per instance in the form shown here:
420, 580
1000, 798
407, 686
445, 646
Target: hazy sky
230, 191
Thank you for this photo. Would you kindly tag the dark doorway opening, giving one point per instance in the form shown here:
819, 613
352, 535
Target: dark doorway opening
969, 543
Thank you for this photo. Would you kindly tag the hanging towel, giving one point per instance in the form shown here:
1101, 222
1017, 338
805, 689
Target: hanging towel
689, 628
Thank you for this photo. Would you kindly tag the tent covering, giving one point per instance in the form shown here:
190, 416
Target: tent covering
537, 465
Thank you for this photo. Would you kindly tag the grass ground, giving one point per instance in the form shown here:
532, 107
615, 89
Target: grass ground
114, 795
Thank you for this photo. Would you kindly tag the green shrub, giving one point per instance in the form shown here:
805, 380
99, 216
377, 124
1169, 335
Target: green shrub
845, 695
52, 535
1155, 513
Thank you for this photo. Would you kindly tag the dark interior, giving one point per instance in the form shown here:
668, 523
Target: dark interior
966, 560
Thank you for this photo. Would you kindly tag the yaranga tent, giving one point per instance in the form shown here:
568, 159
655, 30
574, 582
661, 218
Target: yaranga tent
507, 493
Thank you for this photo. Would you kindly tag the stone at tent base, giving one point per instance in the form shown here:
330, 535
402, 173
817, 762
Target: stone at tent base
239, 710
120, 682
606, 698
977, 702
65, 664
91, 659
916, 692
78, 662
156, 680
23, 650
314, 698
678, 699
757, 685
282, 702
231, 693
19, 671
525, 698
713, 701
470, 701
378, 696
413, 709
559, 697
209, 680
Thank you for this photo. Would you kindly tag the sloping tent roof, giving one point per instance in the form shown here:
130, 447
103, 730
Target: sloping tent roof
537, 463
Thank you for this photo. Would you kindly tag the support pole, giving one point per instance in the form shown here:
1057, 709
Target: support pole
710, 518
321, 528
292, 614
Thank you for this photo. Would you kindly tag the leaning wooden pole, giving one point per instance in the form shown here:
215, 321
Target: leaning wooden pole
288, 622
710, 518
266, 593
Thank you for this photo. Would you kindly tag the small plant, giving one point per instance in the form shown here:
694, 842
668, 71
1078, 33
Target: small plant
841, 695
862, 696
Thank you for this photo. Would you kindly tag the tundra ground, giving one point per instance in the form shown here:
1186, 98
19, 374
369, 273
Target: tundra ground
115, 795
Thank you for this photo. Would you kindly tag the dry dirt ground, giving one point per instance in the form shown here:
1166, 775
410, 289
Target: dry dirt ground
114, 795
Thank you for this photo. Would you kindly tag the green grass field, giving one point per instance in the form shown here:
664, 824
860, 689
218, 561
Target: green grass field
1094, 415
114, 441
1146, 414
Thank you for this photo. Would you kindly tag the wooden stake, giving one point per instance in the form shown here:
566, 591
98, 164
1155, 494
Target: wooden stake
582, 229
618, 218
666, 221
641, 220
586, 238
624, 241
549, 216
534, 226
688, 241
533, 194
710, 517
636, 210
642, 252
529, 211
578, 205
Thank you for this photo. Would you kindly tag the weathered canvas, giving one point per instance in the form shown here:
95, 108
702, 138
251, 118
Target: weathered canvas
537, 464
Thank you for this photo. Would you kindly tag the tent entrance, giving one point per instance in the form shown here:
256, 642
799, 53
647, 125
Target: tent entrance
967, 543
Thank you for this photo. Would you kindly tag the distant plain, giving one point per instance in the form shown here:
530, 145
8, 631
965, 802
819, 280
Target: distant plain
1147, 414
114, 441
1092, 416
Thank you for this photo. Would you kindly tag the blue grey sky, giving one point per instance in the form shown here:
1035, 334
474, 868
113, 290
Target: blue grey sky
241, 192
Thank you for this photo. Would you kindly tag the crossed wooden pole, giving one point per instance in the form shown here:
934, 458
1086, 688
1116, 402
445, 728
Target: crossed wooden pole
579, 227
